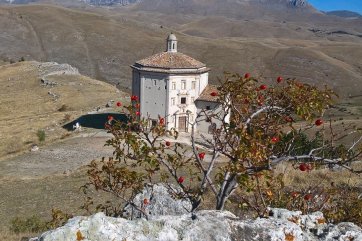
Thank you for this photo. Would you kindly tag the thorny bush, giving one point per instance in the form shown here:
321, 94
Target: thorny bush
255, 129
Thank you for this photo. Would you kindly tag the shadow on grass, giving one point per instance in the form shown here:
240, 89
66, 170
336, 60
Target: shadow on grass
95, 121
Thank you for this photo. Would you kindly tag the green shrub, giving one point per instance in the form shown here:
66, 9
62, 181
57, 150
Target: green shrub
41, 135
32, 224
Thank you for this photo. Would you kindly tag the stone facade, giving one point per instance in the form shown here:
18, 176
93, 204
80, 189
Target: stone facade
168, 84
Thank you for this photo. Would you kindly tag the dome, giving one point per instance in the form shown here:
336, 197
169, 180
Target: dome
172, 37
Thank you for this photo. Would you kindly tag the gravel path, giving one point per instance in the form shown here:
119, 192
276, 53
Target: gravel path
58, 158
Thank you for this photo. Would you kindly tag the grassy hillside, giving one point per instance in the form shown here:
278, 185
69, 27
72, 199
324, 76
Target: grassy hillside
27, 106
103, 43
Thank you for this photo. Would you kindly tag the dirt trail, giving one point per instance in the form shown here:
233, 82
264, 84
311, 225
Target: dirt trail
56, 159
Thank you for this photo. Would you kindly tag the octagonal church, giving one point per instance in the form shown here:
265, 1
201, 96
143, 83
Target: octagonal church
173, 86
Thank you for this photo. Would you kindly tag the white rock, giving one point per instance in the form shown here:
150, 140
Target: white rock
208, 225
161, 202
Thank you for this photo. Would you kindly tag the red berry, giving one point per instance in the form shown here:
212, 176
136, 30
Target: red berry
279, 79
318, 122
289, 119
247, 75
168, 143
263, 87
275, 139
202, 155
146, 201
110, 118
180, 179
138, 106
214, 93
162, 121
303, 167
138, 113
308, 197
134, 98
294, 194
119, 104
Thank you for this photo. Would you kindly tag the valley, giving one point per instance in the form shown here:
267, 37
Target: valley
77, 59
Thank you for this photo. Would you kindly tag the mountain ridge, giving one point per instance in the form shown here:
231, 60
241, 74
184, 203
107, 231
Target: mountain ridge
344, 14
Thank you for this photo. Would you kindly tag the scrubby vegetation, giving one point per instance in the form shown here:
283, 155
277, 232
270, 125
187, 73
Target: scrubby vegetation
260, 128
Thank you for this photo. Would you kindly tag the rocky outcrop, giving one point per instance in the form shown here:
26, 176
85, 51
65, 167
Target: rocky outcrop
170, 220
53, 68
160, 202
208, 225
298, 3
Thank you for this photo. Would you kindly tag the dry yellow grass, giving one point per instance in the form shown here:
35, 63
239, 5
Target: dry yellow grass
322, 177
6, 235
104, 43
26, 106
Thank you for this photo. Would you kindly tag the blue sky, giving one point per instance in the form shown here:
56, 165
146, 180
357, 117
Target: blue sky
329, 5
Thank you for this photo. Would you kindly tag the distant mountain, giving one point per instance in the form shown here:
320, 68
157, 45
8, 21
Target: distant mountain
110, 2
291, 3
344, 14
17, 1
178, 3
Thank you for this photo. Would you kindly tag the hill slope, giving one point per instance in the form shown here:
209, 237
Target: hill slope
344, 14
28, 105
103, 44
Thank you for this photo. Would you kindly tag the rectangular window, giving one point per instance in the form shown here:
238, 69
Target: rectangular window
173, 102
208, 107
183, 100
183, 84
173, 85
193, 85
154, 82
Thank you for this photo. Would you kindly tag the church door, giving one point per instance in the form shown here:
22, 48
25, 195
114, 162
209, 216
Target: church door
182, 124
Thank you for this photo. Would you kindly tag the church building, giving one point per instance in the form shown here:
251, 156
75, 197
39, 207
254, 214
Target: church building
173, 86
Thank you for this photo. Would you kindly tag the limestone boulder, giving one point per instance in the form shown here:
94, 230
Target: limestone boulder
208, 225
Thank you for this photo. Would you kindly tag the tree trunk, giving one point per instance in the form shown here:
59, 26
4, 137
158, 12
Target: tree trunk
225, 193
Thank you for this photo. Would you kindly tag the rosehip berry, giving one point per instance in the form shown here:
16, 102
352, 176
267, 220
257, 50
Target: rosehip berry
263, 87
247, 76
138, 113
294, 194
180, 179
275, 139
146, 201
303, 167
119, 104
168, 143
110, 118
137, 106
289, 119
202, 155
318, 122
162, 121
279, 79
308, 197
214, 93
134, 98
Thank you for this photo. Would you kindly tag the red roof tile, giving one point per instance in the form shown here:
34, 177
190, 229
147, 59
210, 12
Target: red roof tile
206, 94
169, 60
